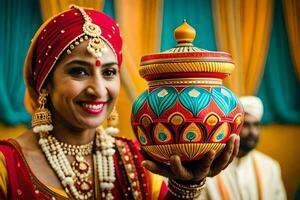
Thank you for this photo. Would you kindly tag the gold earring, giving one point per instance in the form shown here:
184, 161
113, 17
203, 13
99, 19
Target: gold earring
112, 122
41, 118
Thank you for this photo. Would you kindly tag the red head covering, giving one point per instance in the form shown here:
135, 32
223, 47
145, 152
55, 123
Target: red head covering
55, 36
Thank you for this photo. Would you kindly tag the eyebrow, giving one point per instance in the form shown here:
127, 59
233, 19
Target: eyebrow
85, 63
79, 62
109, 64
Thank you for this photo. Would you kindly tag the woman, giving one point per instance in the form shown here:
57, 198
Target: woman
72, 77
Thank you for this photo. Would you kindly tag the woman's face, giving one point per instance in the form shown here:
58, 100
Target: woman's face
83, 93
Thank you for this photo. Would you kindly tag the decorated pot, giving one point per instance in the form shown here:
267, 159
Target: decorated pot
186, 110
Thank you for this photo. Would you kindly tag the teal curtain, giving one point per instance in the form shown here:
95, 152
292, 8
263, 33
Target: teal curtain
280, 88
19, 20
297, 195
109, 8
197, 13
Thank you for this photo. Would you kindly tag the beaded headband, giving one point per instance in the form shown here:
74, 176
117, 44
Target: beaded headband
96, 45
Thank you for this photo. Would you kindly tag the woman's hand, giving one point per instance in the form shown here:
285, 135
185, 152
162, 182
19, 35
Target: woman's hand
195, 171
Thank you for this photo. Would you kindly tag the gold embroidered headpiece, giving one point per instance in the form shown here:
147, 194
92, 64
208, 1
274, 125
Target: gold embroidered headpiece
62, 33
92, 31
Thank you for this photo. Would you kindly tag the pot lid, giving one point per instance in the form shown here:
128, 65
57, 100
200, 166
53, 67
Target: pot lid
185, 60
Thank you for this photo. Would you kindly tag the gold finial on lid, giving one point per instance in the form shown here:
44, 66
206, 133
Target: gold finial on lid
184, 34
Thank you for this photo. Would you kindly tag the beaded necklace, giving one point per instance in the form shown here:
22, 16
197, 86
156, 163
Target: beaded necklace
74, 177
73, 150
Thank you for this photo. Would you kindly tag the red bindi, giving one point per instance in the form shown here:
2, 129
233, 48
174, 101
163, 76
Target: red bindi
98, 63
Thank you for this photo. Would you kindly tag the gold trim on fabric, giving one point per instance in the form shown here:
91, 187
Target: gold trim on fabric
3, 175
35, 181
131, 172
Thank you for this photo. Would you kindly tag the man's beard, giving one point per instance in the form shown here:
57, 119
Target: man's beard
248, 144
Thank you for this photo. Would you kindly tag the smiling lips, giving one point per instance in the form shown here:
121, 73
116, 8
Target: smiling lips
93, 107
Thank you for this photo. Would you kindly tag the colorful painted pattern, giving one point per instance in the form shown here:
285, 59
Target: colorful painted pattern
189, 115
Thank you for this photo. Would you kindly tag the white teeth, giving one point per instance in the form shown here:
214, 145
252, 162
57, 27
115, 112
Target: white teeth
93, 106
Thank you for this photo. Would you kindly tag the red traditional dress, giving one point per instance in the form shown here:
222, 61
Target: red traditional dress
18, 182
56, 36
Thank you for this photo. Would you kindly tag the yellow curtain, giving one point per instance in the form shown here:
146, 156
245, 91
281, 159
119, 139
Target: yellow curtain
291, 10
52, 7
243, 29
228, 38
281, 142
11, 131
140, 25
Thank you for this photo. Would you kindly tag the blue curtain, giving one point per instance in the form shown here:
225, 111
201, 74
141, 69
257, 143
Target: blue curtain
197, 13
280, 88
19, 20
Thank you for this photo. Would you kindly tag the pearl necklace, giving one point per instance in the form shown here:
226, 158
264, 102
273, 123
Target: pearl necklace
80, 166
105, 162
75, 181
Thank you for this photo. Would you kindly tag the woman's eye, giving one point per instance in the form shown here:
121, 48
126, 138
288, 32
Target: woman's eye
78, 71
109, 73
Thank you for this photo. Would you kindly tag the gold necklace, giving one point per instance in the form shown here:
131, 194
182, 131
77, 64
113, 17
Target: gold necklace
73, 150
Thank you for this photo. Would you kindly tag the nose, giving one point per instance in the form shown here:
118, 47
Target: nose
253, 130
97, 88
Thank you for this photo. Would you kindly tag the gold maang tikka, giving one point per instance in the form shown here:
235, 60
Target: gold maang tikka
96, 45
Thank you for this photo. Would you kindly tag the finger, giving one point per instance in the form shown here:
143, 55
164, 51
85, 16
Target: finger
202, 168
157, 168
236, 146
178, 169
235, 150
223, 159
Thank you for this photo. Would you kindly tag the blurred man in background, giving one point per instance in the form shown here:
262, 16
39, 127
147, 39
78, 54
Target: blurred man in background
252, 175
